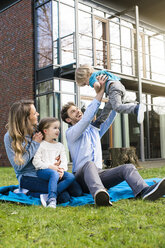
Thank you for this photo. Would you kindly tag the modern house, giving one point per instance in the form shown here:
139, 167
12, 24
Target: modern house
43, 42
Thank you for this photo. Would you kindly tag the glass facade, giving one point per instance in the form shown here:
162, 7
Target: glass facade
44, 35
108, 43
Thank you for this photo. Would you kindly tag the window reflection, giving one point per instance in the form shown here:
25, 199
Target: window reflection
157, 59
125, 37
115, 54
44, 87
38, 2
56, 85
67, 98
85, 50
159, 105
69, 2
100, 44
67, 48
67, 29
67, 24
130, 97
44, 30
87, 91
85, 42
67, 86
98, 13
84, 7
114, 33
45, 105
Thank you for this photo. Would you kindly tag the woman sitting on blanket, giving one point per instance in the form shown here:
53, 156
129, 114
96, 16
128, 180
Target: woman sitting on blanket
21, 143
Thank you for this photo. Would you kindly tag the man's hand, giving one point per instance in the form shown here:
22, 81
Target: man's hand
37, 137
102, 80
97, 86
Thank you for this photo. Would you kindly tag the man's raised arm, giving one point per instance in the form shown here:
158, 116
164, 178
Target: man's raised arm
76, 130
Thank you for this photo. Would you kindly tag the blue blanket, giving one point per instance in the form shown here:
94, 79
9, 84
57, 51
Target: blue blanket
120, 191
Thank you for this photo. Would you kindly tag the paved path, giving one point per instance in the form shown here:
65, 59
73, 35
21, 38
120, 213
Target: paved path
152, 164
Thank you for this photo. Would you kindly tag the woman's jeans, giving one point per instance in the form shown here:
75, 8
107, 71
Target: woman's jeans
37, 186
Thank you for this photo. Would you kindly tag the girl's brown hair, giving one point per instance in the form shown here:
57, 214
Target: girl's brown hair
45, 124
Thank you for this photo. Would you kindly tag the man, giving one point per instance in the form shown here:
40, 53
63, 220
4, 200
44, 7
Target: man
85, 148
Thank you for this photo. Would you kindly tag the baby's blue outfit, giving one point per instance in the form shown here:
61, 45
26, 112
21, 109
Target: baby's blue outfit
116, 92
111, 77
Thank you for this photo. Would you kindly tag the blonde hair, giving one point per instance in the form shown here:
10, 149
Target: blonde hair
82, 74
19, 125
45, 124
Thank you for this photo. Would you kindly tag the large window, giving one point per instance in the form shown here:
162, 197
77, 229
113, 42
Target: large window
44, 99
85, 38
44, 35
101, 43
67, 29
115, 54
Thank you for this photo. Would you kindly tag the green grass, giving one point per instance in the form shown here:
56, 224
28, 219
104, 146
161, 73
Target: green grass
129, 223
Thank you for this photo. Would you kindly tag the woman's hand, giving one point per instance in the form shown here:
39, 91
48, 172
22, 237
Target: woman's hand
53, 167
37, 137
61, 172
58, 169
58, 161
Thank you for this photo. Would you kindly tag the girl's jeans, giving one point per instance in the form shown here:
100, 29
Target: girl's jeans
46, 182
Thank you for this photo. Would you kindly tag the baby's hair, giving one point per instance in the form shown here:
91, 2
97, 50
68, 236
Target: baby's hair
45, 123
82, 74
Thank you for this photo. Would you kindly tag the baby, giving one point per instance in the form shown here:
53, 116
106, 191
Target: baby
85, 75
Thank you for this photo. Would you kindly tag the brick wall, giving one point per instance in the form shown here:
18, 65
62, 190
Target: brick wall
16, 61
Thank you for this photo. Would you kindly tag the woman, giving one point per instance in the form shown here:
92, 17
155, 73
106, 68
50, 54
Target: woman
21, 143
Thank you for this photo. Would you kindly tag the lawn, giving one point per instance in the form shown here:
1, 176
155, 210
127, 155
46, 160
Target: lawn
129, 223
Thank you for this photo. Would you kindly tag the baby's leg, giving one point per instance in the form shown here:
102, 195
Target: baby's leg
116, 94
103, 116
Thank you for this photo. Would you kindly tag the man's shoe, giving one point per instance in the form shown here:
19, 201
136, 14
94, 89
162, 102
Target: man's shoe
101, 198
155, 191
140, 113
43, 199
52, 204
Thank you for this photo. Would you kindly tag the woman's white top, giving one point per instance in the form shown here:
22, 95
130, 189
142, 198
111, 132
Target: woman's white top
47, 153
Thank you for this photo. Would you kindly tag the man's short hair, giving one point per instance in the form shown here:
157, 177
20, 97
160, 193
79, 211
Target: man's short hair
64, 111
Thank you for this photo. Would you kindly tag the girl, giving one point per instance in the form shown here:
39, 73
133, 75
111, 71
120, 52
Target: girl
45, 161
